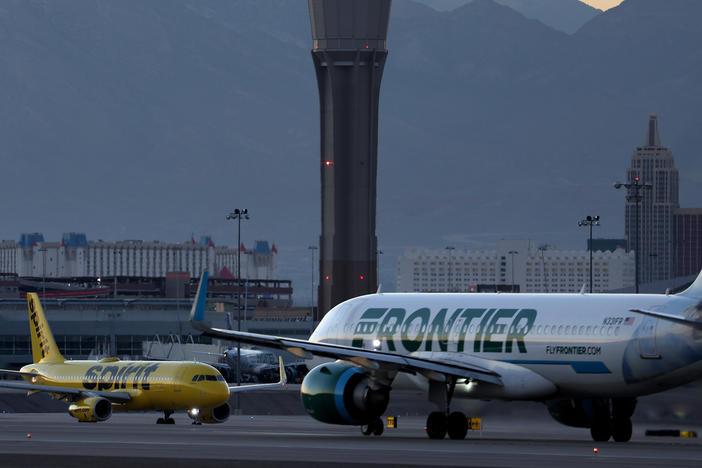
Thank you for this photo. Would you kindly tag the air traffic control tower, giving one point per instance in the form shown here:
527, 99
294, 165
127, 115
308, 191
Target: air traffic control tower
349, 55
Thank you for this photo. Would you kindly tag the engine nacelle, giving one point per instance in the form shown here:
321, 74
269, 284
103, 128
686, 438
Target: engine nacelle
337, 393
572, 413
211, 415
581, 412
91, 409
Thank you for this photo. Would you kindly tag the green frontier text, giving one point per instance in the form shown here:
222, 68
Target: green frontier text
395, 327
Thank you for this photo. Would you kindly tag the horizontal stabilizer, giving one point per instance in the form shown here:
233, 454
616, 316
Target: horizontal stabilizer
115, 397
695, 323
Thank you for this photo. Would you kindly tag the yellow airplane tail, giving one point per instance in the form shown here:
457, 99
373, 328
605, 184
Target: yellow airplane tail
44, 347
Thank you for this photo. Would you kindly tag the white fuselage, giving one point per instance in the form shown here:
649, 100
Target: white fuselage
544, 345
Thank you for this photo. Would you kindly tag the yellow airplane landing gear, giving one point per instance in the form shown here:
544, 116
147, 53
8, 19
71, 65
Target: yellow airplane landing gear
167, 419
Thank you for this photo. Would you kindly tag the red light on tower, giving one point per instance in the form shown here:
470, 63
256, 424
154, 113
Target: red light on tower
327, 277
636, 179
328, 163
362, 277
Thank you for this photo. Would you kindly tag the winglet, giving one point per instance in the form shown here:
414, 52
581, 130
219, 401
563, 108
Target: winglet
197, 313
695, 289
281, 383
283, 376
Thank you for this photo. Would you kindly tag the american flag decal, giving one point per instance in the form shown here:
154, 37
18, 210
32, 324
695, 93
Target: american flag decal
629, 321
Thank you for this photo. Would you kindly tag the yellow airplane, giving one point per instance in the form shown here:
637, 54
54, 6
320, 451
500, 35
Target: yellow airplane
95, 388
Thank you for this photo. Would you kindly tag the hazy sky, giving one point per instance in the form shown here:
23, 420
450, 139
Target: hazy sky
602, 4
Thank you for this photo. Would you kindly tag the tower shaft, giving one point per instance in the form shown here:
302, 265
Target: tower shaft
349, 57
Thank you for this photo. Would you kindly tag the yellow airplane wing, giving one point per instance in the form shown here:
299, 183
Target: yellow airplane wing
116, 397
281, 383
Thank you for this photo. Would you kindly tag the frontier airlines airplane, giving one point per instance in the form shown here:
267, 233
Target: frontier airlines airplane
94, 388
586, 356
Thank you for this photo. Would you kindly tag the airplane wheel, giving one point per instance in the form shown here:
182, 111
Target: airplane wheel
160, 421
457, 426
170, 421
600, 432
367, 429
436, 425
378, 427
621, 430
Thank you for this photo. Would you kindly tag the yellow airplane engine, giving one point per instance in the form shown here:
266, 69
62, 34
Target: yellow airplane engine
91, 409
210, 415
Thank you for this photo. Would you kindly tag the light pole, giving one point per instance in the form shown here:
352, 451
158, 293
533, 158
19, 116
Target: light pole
512, 252
312, 249
238, 214
590, 221
450, 251
634, 195
378, 253
43, 271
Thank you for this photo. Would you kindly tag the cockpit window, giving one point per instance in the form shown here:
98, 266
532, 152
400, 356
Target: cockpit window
220, 378
211, 378
201, 378
195, 378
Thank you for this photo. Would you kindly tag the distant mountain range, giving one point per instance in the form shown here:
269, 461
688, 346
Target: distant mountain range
565, 15
129, 119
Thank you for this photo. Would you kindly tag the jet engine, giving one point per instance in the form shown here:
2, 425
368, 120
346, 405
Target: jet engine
338, 393
582, 412
211, 415
91, 409
572, 413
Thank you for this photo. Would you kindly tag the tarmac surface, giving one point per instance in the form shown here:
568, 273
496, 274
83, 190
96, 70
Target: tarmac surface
513, 434
58, 440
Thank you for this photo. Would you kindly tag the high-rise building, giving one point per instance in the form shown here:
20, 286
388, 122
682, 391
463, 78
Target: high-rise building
688, 241
349, 52
76, 256
653, 163
514, 266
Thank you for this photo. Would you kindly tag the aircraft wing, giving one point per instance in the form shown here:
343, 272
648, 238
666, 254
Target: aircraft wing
370, 359
115, 397
281, 383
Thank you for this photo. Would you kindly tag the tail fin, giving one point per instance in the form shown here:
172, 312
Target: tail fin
44, 347
197, 313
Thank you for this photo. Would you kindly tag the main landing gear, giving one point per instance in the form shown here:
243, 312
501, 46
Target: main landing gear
440, 423
612, 418
167, 419
374, 427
